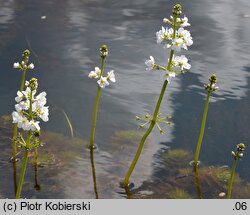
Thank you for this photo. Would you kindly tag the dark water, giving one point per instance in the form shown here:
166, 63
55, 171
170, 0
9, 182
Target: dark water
64, 49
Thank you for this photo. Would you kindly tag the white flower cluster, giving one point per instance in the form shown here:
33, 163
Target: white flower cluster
179, 63
102, 81
182, 37
22, 65
176, 38
21, 115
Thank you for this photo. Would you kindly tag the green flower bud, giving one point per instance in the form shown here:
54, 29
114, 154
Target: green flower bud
241, 147
138, 118
213, 79
177, 10
26, 53
103, 51
33, 84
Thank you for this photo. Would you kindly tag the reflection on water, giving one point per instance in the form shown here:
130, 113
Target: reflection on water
65, 48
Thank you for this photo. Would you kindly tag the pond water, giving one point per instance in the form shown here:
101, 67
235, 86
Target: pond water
65, 46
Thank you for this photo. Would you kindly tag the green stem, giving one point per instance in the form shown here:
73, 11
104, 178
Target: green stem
14, 176
197, 181
22, 173
230, 184
27, 147
23, 80
93, 172
15, 129
14, 144
203, 123
151, 126
92, 137
35, 156
37, 186
153, 121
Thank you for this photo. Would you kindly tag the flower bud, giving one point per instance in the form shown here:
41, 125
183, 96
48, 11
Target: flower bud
138, 118
32, 84
26, 53
177, 10
103, 51
213, 79
241, 147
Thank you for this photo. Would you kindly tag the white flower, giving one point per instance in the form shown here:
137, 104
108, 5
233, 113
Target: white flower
16, 117
19, 97
177, 44
103, 82
240, 155
16, 65
184, 22
150, 63
23, 105
22, 122
111, 76
26, 101
164, 34
185, 36
34, 125
31, 66
214, 87
170, 75
96, 73
43, 113
40, 100
182, 62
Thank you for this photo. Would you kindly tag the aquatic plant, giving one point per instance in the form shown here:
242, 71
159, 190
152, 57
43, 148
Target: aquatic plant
237, 154
23, 66
28, 111
211, 87
175, 38
102, 82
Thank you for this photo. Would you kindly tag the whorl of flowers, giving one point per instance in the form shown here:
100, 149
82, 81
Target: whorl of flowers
211, 87
174, 38
23, 65
30, 108
98, 73
238, 153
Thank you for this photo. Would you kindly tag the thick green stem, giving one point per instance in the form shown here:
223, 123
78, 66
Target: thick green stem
35, 156
203, 124
22, 173
25, 158
14, 141
153, 121
92, 137
23, 80
93, 172
151, 126
230, 184
197, 181
37, 186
